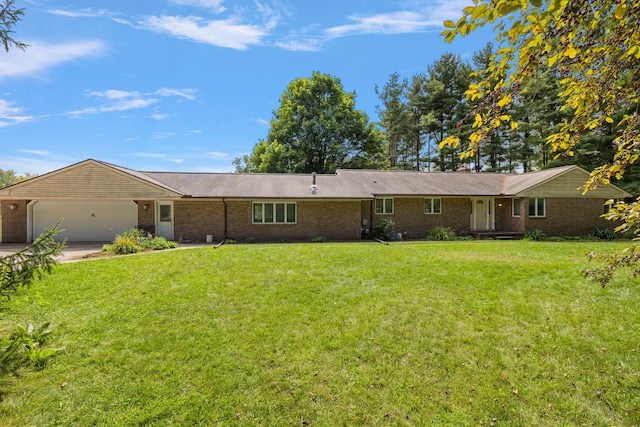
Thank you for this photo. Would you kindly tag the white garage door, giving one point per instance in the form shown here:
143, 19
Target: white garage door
85, 221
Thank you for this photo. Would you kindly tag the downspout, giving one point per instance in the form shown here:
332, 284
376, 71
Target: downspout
224, 226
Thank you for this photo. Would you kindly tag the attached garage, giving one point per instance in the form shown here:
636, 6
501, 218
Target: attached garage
86, 221
95, 200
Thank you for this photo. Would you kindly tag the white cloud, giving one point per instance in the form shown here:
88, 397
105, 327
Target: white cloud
113, 100
214, 5
41, 56
217, 155
164, 135
12, 115
429, 16
80, 13
386, 23
38, 166
37, 152
308, 44
115, 94
185, 93
116, 100
228, 33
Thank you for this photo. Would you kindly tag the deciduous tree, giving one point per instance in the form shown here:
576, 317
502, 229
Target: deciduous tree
317, 129
9, 177
595, 46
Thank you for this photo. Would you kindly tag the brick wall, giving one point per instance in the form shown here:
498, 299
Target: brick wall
568, 217
410, 220
194, 220
333, 220
146, 217
14, 222
366, 215
505, 221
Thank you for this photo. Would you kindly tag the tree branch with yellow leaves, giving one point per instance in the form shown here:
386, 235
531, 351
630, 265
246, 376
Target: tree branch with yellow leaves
594, 48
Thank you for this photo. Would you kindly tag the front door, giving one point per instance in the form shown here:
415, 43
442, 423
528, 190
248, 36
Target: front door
164, 220
482, 214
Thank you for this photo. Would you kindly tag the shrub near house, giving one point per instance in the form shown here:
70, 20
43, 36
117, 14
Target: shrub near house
136, 240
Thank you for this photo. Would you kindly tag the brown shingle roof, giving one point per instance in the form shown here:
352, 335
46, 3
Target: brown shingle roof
346, 183
407, 183
233, 185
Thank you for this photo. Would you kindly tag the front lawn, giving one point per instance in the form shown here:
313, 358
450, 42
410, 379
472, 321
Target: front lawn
425, 333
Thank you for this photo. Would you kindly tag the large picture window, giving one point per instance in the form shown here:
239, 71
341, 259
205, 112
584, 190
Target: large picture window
274, 213
536, 207
433, 206
384, 206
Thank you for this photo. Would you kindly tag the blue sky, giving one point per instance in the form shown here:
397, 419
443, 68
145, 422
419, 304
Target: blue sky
189, 85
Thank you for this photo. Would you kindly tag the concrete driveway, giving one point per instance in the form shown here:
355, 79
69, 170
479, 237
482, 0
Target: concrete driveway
74, 251
79, 251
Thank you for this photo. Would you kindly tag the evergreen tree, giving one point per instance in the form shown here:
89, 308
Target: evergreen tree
445, 105
394, 118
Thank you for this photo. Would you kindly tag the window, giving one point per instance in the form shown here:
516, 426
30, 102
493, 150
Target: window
274, 213
515, 207
608, 206
536, 207
384, 206
432, 206
165, 213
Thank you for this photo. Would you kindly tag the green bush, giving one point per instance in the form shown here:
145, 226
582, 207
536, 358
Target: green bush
383, 229
159, 243
535, 235
318, 239
123, 246
441, 233
134, 233
603, 233
135, 240
251, 239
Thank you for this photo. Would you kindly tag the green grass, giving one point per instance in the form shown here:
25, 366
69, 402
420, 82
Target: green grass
416, 334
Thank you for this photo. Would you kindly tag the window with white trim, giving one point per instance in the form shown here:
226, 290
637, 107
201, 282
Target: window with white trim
384, 205
274, 213
515, 207
536, 207
433, 206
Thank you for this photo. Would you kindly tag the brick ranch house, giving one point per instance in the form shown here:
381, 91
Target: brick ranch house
97, 200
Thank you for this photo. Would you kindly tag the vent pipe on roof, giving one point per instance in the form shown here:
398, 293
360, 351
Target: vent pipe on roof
314, 187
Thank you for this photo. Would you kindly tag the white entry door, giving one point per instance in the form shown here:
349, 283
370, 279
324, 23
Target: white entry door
482, 216
164, 219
